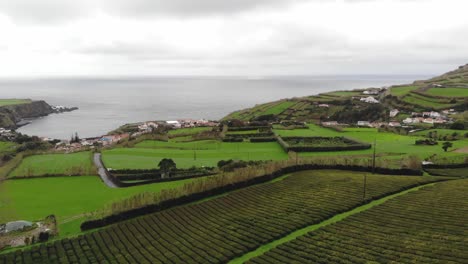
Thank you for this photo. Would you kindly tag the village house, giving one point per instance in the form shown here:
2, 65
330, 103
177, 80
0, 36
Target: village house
394, 124
370, 100
364, 123
174, 124
371, 91
330, 123
394, 112
324, 105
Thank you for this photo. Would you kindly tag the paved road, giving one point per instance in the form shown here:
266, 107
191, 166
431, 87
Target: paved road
102, 171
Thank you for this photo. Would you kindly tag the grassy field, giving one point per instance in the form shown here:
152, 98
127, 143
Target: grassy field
448, 92
79, 163
426, 102
5, 102
64, 197
147, 154
233, 224
278, 109
387, 143
402, 90
188, 131
6, 146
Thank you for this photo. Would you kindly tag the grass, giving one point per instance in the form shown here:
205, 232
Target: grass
448, 92
387, 143
6, 146
265, 248
188, 131
402, 90
5, 102
64, 197
426, 102
459, 172
277, 109
344, 93
79, 163
147, 154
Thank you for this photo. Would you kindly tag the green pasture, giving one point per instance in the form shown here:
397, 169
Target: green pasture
5, 102
188, 131
255, 131
278, 108
147, 154
448, 92
387, 143
79, 163
65, 197
6, 146
344, 93
402, 90
426, 102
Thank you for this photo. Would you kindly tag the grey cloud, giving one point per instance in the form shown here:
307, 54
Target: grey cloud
44, 11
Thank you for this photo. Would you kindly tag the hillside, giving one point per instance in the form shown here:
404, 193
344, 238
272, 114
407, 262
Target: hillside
447, 91
12, 111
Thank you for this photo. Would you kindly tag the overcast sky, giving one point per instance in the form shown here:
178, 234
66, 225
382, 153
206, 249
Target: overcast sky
231, 37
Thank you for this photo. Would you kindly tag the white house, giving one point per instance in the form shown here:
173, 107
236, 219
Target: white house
370, 100
394, 112
363, 123
175, 124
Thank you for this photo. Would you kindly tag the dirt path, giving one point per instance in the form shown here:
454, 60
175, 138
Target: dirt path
103, 173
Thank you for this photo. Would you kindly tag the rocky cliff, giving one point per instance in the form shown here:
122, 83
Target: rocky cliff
10, 115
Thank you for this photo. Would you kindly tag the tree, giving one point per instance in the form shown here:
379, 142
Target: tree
166, 166
447, 145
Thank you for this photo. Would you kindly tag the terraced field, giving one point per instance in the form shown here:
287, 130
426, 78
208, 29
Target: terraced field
220, 229
426, 226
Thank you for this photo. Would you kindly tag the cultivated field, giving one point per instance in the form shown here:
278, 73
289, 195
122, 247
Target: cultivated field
426, 226
220, 229
79, 163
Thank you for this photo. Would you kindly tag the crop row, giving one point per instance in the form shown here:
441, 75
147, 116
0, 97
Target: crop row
223, 228
426, 226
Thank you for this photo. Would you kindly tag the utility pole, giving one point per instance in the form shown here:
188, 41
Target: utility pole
373, 156
365, 186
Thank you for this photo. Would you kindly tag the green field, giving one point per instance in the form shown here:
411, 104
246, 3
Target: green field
427, 102
6, 146
277, 109
188, 131
448, 92
387, 143
147, 154
64, 197
227, 226
402, 90
5, 102
79, 163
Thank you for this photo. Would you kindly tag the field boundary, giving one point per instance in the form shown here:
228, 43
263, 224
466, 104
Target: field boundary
336, 218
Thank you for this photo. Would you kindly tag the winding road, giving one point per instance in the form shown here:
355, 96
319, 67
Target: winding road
103, 173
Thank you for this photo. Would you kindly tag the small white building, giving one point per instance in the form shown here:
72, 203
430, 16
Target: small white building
364, 123
394, 124
370, 100
174, 124
394, 112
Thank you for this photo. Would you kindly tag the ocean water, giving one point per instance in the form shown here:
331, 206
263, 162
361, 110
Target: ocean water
106, 103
